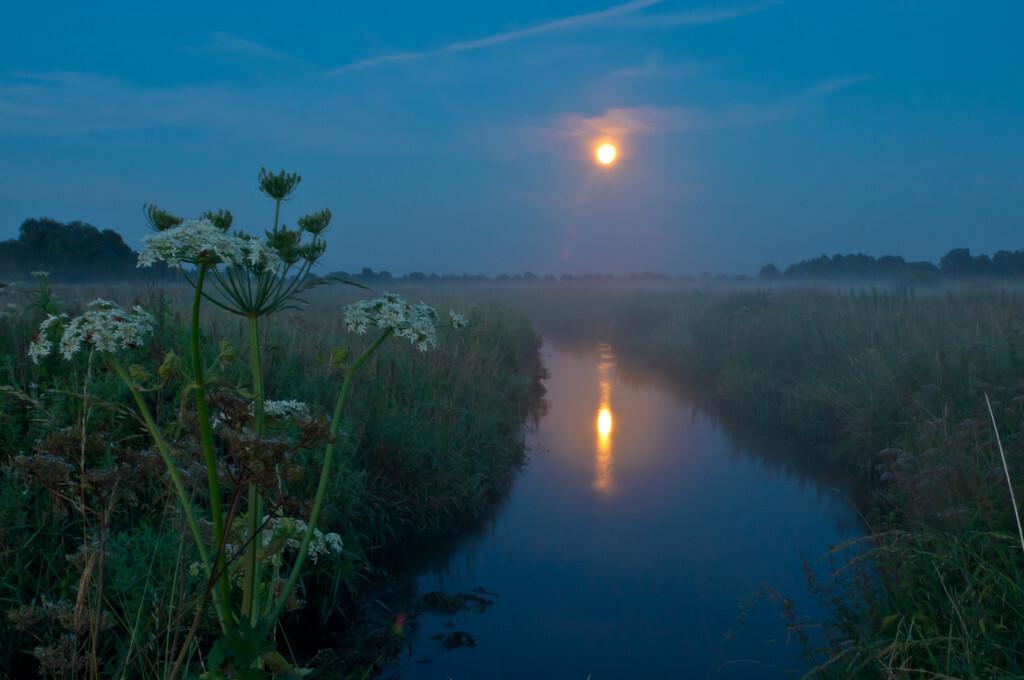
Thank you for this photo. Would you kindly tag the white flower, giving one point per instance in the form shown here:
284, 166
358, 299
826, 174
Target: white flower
40, 274
41, 346
415, 322
334, 542
288, 532
286, 408
196, 241
457, 320
103, 325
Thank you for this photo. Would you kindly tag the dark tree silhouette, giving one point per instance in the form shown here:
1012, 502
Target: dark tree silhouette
74, 252
956, 264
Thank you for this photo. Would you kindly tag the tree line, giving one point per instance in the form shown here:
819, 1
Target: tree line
79, 252
956, 264
72, 252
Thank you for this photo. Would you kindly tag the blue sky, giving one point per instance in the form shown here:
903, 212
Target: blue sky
457, 136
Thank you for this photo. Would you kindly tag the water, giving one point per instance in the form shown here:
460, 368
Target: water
637, 543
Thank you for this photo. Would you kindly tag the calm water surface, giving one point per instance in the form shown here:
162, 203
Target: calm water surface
638, 542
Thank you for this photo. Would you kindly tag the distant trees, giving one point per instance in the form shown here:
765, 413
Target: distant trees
79, 252
1004, 264
956, 264
860, 266
70, 252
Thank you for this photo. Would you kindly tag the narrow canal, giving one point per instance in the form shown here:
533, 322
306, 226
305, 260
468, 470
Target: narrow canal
643, 539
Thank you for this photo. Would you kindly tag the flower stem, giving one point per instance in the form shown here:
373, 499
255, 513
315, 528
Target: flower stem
325, 475
253, 570
172, 470
206, 437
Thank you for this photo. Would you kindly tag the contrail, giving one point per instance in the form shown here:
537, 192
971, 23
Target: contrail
563, 24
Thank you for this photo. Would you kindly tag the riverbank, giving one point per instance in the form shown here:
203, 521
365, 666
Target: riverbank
889, 384
431, 441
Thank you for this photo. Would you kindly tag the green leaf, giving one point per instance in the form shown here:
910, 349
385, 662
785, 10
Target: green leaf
338, 357
138, 373
239, 648
169, 366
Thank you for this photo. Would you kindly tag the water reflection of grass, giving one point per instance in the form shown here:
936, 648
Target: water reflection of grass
890, 385
770, 446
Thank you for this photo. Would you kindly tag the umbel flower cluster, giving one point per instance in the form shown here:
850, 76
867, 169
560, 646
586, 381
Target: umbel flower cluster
284, 534
457, 320
252, 277
286, 408
201, 241
103, 326
415, 322
291, 530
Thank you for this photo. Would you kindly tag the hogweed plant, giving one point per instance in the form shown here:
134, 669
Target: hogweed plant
251, 550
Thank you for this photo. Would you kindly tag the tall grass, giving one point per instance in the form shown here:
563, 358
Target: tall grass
430, 442
891, 384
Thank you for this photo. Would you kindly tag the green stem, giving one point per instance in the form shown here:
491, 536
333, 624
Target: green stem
172, 470
253, 571
206, 437
256, 366
325, 475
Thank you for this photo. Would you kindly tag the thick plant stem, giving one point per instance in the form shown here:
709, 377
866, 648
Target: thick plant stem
165, 453
206, 437
253, 567
325, 476
172, 471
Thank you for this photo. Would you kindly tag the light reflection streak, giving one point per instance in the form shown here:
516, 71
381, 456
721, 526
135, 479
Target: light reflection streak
604, 482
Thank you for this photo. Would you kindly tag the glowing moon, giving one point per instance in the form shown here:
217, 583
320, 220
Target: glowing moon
606, 153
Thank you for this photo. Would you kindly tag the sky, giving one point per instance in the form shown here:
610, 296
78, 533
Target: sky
458, 136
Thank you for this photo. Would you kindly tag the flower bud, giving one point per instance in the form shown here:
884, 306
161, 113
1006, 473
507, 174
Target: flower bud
315, 223
278, 186
285, 242
160, 219
221, 219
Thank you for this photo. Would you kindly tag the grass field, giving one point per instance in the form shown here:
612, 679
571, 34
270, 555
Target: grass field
430, 442
889, 384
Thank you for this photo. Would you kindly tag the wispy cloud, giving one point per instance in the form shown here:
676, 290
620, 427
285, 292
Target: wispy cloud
69, 104
648, 121
627, 122
563, 24
833, 85
627, 15
230, 44
696, 17
652, 68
